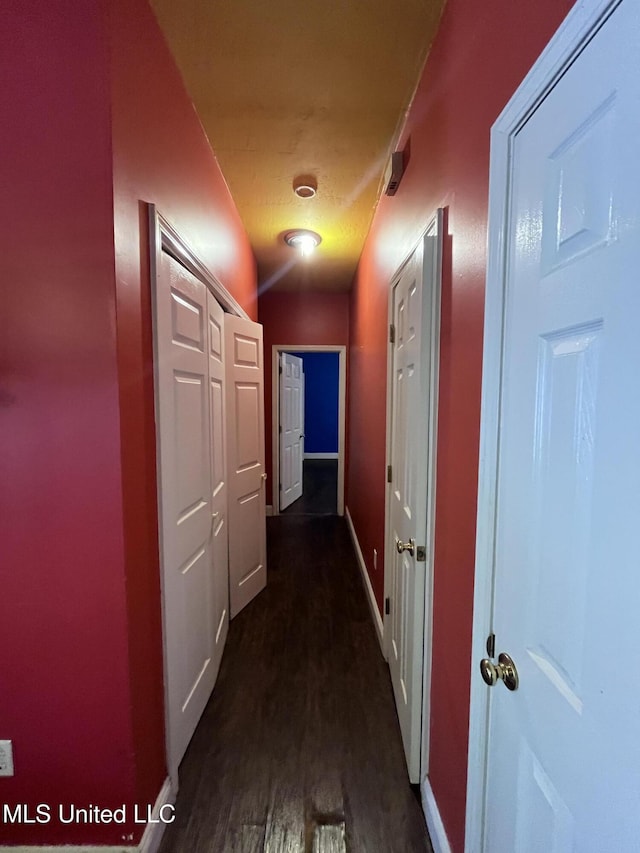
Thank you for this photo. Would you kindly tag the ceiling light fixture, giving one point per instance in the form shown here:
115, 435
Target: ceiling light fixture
302, 239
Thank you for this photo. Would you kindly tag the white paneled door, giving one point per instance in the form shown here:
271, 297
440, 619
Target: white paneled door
563, 755
245, 461
291, 428
190, 405
413, 389
219, 490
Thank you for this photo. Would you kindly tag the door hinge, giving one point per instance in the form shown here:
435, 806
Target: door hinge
280, 429
421, 554
389, 474
392, 334
279, 368
387, 606
491, 645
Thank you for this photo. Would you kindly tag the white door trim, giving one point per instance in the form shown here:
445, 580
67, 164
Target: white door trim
164, 237
578, 27
431, 273
276, 349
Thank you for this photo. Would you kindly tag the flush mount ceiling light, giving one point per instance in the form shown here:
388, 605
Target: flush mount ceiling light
302, 239
305, 186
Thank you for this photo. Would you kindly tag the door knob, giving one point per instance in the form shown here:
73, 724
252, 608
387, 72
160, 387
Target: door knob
405, 546
263, 476
505, 670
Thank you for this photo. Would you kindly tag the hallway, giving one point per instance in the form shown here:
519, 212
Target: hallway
299, 749
320, 489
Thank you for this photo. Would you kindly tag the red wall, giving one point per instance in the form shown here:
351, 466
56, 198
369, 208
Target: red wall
96, 117
480, 55
303, 319
64, 693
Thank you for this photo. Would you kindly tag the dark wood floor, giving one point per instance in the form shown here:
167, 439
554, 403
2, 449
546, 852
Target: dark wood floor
299, 749
319, 489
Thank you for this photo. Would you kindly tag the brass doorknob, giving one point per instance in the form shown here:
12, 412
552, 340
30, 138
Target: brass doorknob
505, 670
405, 546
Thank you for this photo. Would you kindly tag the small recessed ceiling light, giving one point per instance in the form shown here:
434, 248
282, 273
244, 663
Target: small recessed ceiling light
305, 186
302, 239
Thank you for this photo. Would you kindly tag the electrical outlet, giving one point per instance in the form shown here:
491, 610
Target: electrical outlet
375, 559
6, 758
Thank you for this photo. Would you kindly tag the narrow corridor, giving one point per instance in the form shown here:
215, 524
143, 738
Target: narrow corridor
299, 748
319, 491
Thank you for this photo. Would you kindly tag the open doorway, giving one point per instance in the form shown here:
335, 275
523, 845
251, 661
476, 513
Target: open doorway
308, 429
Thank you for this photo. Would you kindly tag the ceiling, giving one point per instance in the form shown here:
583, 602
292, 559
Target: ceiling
288, 88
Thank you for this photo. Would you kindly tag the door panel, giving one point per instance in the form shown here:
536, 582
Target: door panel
291, 428
190, 439
408, 509
219, 566
245, 461
564, 749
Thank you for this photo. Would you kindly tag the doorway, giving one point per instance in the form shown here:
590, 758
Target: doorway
320, 452
320, 386
412, 395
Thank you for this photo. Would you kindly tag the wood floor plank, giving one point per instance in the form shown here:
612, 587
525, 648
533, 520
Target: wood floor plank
299, 749
319, 489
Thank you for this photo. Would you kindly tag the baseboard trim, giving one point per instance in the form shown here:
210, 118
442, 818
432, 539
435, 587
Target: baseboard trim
152, 835
439, 840
269, 510
149, 843
373, 606
321, 456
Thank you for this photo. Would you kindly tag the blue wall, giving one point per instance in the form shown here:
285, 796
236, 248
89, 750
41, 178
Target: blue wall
321, 373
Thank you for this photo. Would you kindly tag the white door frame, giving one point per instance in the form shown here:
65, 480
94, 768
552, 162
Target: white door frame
580, 24
164, 237
431, 272
276, 349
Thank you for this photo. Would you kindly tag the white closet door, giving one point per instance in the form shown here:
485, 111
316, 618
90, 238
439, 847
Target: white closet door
219, 525
245, 461
187, 409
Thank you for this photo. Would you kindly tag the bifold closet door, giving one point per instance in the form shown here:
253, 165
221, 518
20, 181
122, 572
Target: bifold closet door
192, 488
245, 455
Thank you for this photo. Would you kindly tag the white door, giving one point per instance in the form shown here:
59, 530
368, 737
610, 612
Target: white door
245, 461
291, 428
412, 445
190, 438
219, 525
564, 748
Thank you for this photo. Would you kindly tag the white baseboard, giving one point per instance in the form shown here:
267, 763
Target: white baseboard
149, 843
373, 606
152, 836
269, 510
321, 456
439, 840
